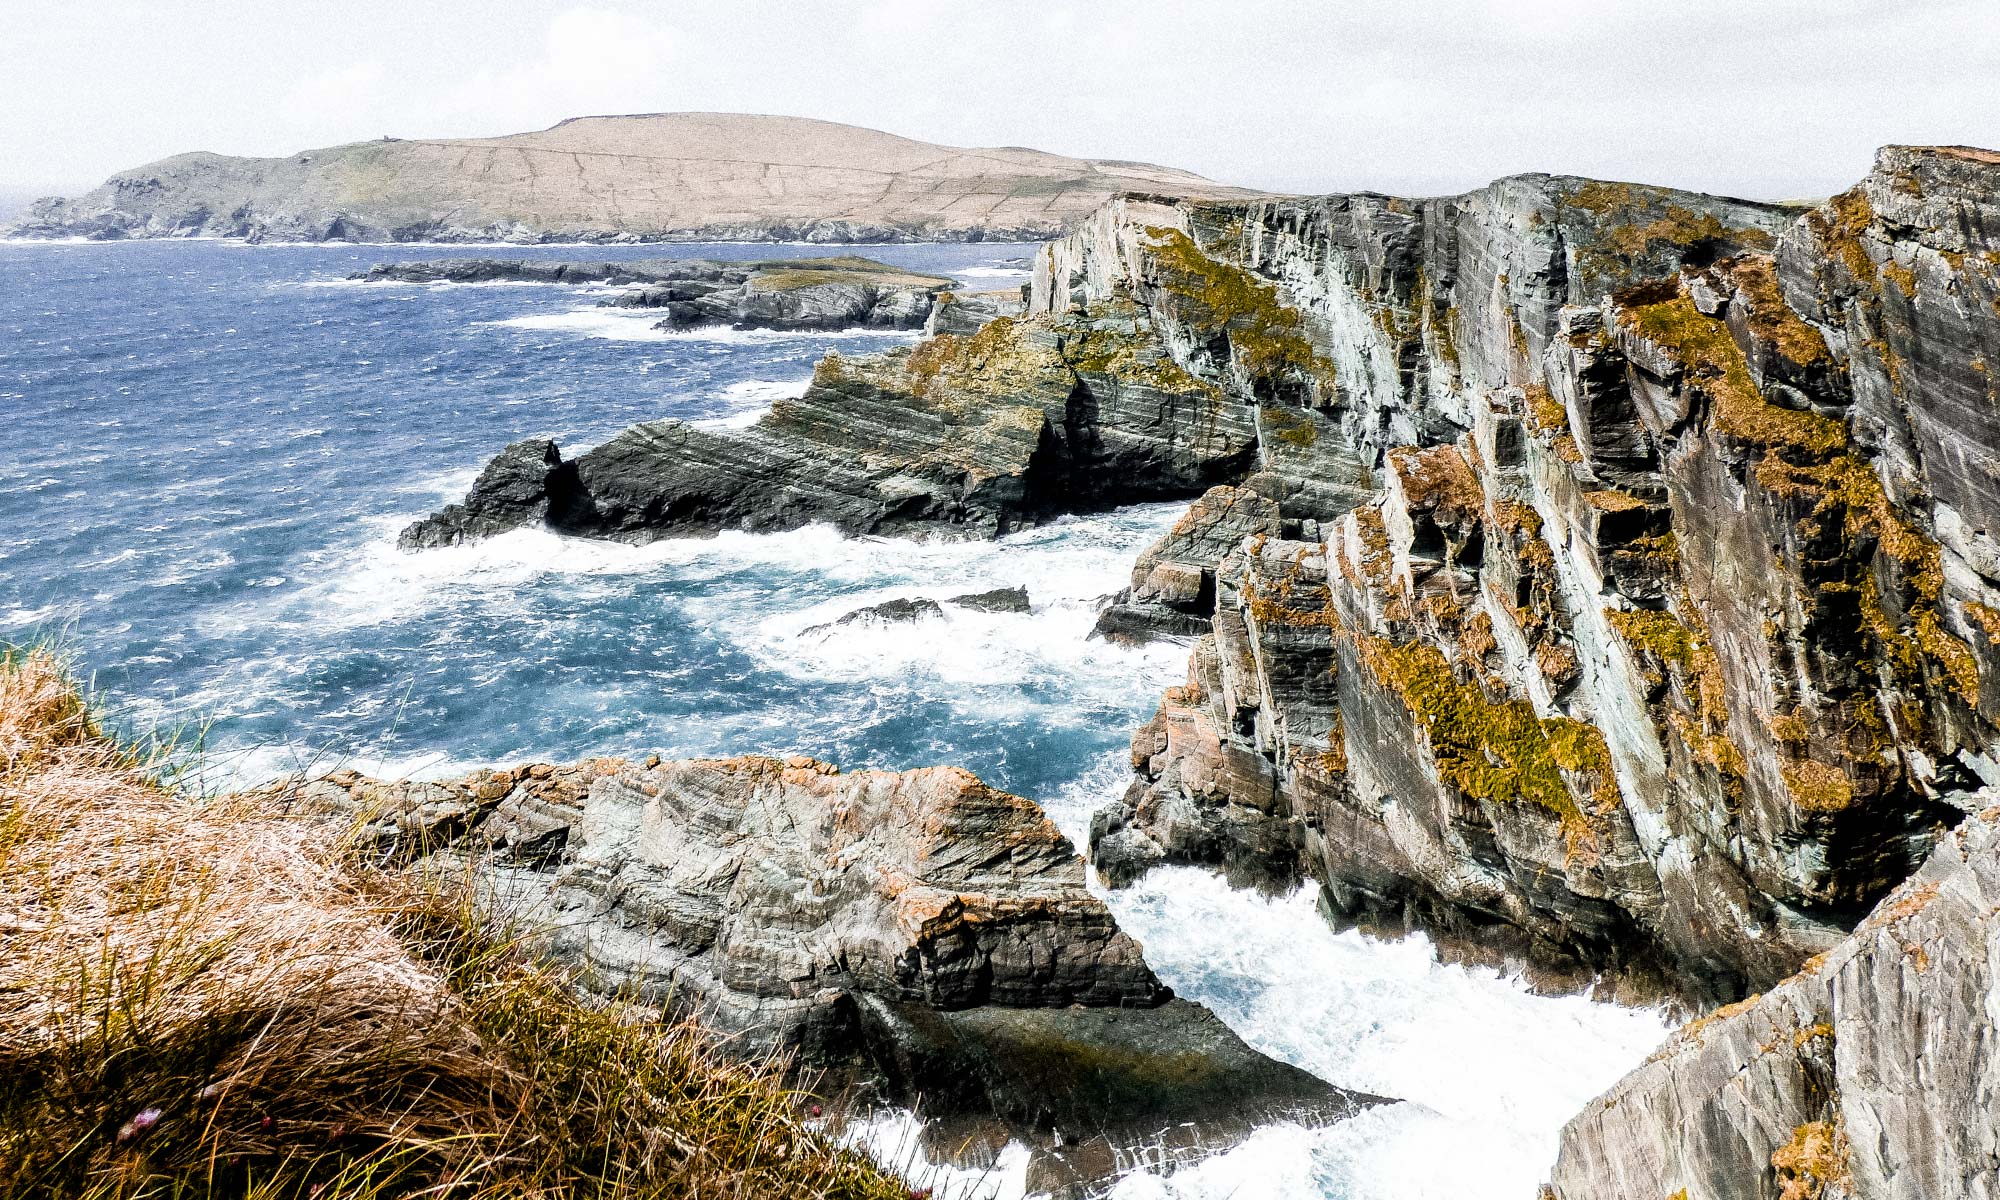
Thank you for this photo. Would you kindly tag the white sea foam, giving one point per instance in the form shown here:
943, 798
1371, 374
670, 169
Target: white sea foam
755, 397
766, 390
21, 618
1489, 1072
1067, 562
895, 1139
993, 272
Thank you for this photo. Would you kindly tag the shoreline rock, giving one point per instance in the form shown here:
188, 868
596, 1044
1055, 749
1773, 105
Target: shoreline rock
1667, 516
959, 437
911, 935
844, 292
1868, 1074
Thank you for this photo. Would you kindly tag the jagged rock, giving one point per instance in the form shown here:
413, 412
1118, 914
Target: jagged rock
512, 490
960, 436
999, 600
1662, 647
1868, 1074
918, 933
658, 177
1173, 582
780, 293
1629, 605
968, 312
903, 611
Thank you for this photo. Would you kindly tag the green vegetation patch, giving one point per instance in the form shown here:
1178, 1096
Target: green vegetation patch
1501, 752
787, 274
1266, 335
1715, 363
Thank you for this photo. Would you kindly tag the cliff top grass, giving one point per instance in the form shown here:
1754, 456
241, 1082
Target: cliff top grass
205, 996
1266, 335
786, 274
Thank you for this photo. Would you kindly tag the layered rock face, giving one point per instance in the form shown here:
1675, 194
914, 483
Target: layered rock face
962, 436
785, 293
1871, 1073
917, 931
1664, 645
1599, 574
688, 177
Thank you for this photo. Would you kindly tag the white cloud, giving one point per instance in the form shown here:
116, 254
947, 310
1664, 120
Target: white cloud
1753, 96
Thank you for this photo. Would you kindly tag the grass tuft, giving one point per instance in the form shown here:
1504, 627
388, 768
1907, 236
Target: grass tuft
208, 997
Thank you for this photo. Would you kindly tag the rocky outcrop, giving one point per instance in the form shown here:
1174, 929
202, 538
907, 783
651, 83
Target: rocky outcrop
961, 436
917, 932
1603, 579
662, 177
1173, 581
1662, 645
967, 312
785, 293
1871, 1073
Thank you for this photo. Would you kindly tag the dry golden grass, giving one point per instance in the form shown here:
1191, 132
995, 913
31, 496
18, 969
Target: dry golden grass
202, 997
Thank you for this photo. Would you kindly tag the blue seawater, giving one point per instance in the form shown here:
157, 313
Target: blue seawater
211, 447
208, 450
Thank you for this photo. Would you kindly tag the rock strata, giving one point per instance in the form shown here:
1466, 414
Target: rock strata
960, 436
918, 932
1868, 1074
1658, 642
785, 293
1602, 577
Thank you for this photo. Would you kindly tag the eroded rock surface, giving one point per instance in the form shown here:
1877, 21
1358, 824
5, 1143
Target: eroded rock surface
1663, 644
1871, 1073
843, 292
918, 932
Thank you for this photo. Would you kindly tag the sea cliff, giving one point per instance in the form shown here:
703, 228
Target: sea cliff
1596, 576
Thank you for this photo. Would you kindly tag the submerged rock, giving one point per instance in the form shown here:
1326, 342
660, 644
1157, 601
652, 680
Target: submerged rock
782, 293
914, 934
999, 600
903, 611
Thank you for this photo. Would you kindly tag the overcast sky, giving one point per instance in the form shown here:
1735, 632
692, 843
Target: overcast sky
1770, 98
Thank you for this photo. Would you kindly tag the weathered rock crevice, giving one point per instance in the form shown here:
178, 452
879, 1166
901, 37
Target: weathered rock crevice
1659, 646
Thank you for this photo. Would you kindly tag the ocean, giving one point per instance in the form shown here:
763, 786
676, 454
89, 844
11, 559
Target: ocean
210, 448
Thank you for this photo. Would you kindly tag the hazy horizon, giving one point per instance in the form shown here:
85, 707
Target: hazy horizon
1772, 99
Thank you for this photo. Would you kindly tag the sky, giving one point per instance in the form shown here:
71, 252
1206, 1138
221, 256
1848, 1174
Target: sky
1774, 99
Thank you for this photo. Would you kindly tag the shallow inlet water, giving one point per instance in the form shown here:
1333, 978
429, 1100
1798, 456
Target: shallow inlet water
210, 449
